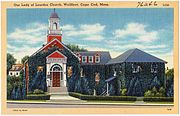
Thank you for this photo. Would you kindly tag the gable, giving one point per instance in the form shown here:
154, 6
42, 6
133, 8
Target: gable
56, 54
57, 43
52, 44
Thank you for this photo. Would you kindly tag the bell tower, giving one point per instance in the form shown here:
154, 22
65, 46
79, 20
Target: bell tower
54, 30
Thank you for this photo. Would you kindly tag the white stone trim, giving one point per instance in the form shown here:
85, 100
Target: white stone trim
50, 43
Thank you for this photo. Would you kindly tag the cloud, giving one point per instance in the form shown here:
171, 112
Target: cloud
112, 53
141, 46
21, 41
33, 32
90, 32
68, 27
20, 52
136, 31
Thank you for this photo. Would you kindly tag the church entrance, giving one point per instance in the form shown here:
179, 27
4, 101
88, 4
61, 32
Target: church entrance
56, 79
56, 74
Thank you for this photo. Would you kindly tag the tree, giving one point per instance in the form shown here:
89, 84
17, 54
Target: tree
170, 74
24, 59
10, 61
75, 48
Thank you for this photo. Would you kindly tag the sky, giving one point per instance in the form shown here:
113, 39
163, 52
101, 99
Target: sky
99, 29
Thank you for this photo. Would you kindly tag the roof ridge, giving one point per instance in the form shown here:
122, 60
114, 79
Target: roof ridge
95, 51
130, 54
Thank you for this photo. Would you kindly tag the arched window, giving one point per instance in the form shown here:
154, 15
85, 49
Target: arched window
54, 26
56, 68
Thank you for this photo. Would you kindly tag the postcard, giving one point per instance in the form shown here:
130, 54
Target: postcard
89, 57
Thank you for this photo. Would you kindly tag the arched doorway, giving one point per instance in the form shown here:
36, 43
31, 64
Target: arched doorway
56, 72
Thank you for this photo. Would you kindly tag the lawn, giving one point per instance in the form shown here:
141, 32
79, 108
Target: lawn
110, 101
26, 100
160, 102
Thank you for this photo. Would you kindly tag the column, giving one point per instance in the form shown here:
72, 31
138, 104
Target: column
107, 89
64, 74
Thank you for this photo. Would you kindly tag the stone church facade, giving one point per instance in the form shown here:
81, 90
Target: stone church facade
55, 68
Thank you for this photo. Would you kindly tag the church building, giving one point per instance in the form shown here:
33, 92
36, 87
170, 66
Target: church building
55, 68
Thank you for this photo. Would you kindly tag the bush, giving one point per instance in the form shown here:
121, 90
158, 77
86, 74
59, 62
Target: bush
162, 92
154, 90
123, 92
107, 98
149, 93
155, 93
158, 99
37, 91
38, 97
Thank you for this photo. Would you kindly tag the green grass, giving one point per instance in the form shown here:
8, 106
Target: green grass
160, 102
111, 101
27, 100
36, 94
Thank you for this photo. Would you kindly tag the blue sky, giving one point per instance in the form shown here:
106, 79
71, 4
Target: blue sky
111, 29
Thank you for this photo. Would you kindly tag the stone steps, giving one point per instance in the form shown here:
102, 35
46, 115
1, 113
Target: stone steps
57, 89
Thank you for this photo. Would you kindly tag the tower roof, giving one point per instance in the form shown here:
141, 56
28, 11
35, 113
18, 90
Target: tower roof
54, 14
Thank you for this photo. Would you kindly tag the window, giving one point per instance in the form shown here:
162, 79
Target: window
56, 68
40, 68
16, 73
114, 73
90, 59
54, 26
82, 73
69, 71
97, 59
97, 77
135, 68
11, 74
154, 68
84, 59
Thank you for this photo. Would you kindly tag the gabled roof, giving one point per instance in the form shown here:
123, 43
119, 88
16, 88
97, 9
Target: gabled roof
56, 54
104, 56
135, 55
57, 43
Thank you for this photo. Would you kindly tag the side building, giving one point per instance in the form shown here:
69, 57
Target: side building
138, 71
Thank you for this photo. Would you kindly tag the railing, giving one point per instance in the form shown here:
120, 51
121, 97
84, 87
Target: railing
104, 93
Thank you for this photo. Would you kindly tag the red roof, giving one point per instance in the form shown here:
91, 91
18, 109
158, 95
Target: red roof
56, 54
55, 42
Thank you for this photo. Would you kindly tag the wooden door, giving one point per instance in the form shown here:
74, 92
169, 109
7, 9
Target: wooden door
56, 79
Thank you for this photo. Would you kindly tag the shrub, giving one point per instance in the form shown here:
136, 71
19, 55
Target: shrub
103, 98
162, 92
149, 93
38, 97
158, 99
155, 93
124, 92
37, 91
154, 90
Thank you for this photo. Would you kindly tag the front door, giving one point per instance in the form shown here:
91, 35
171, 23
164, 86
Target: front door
56, 79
